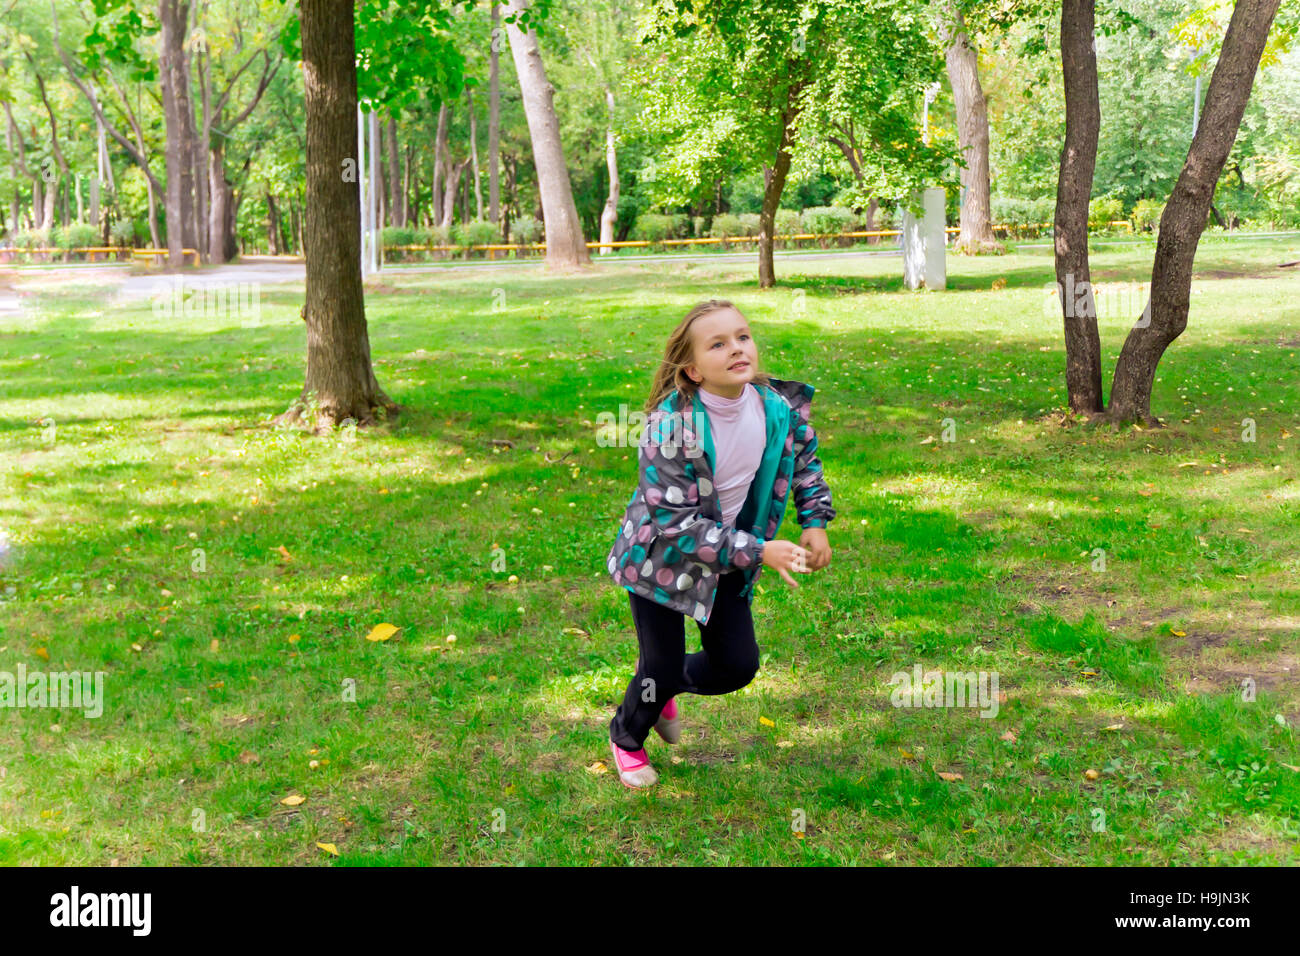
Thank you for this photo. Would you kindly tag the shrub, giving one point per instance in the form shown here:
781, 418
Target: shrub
1146, 214
123, 232
526, 229
1104, 210
32, 239
79, 235
697, 226
726, 226
749, 222
653, 227
398, 236
828, 220
788, 222
481, 233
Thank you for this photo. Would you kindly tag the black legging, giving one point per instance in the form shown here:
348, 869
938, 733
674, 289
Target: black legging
728, 662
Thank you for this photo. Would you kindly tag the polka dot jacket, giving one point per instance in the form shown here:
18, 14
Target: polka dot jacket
672, 543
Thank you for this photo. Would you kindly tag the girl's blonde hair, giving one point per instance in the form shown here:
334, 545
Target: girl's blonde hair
680, 352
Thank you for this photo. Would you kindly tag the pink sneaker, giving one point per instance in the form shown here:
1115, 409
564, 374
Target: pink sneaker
669, 725
634, 767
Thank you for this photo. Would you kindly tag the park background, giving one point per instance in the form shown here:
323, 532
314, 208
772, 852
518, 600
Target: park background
390, 639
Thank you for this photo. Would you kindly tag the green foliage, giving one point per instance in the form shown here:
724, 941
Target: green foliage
788, 222
829, 220
399, 236
1146, 214
1022, 216
481, 233
750, 223
727, 226
526, 229
78, 235
33, 239
123, 232
1104, 210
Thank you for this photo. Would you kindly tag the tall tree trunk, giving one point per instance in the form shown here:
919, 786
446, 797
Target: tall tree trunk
173, 15
219, 211
774, 178
1073, 189
272, 225
494, 122
609, 215
972, 135
395, 211
203, 162
340, 377
439, 160
1183, 219
454, 171
473, 155
565, 246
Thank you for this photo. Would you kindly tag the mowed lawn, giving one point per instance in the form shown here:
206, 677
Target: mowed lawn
225, 576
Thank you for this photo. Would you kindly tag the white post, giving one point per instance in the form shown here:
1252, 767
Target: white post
925, 246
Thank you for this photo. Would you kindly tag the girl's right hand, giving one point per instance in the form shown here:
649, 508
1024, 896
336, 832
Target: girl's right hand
786, 556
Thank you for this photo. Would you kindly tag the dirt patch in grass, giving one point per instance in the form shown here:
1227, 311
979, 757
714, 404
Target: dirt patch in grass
1278, 673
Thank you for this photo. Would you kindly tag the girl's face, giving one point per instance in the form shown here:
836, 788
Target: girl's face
725, 356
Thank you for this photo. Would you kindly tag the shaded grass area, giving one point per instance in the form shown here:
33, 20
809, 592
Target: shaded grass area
224, 575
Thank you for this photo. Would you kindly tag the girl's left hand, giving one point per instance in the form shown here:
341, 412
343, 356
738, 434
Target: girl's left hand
815, 541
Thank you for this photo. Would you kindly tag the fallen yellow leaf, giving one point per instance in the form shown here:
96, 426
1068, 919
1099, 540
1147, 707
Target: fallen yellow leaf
381, 632
598, 767
329, 848
1178, 633
294, 800
284, 553
1091, 774
295, 638
1115, 727
907, 754
766, 723
950, 777
42, 653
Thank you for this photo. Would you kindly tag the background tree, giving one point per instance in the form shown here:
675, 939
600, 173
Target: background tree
565, 246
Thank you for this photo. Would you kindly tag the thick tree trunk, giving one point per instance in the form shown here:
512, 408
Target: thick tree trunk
1184, 216
340, 381
494, 123
565, 245
1074, 187
972, 136
609, 215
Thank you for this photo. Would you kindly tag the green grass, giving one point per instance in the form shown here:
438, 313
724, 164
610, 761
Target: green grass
972, 554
